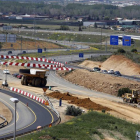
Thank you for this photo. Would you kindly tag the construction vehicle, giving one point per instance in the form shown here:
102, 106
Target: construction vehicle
34, 77
133, 97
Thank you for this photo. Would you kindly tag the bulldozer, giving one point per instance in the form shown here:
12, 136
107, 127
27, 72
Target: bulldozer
133, 97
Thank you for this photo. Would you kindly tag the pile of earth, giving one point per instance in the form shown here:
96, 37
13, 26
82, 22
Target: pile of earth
98, 81
117, 63
86, 102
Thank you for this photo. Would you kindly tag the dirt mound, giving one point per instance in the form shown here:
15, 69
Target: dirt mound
100, 82
122, 64
117, 63
90, 64
86, 102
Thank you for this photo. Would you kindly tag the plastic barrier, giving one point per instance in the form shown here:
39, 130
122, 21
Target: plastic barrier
31, 58
35, 98
33, 65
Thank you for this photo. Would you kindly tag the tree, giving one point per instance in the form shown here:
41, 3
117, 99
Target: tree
121, 91
64, 27
134, 50
0, 45
121, 51
95, 25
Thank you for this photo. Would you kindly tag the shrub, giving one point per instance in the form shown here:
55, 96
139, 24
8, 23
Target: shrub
121, 91
73, 111
134, 50
121, 51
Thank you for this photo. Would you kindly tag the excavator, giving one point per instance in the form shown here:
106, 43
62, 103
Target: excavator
133, 97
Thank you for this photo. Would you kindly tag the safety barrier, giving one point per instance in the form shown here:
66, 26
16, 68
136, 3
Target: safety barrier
27, 94
31, 58
32, 65
34, 130
45, 102
3, 124
41, 101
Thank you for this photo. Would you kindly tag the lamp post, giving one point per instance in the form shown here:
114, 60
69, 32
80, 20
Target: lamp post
101, 36
14, 100
5, 81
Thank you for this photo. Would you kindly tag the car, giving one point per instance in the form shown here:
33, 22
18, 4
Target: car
111, 71
6, 71
9, 52
104, 71
19, 76
117, 73
24, 52
15, 74
96, 69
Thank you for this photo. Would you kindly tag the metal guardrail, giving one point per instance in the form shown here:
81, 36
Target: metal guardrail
34, 130
5, 123
137, 135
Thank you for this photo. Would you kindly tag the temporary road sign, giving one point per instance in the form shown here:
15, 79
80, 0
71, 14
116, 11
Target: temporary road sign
44, 89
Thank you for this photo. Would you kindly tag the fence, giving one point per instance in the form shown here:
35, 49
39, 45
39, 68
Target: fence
137, 135
3, 123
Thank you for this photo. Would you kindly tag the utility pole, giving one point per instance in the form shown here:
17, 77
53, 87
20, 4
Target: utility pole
101, 36
21, 44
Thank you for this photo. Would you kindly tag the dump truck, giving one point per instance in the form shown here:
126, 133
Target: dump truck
133, 97
34, 77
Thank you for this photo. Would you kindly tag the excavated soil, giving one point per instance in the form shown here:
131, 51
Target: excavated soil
104, 82
99, 82
86, 102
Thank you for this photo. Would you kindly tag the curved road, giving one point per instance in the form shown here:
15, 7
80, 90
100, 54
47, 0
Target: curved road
36, 115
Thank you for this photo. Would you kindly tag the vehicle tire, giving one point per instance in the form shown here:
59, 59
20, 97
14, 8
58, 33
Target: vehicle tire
43, 82
22, 80
25, 81
33, 81
124, 100
38, 82
131, 101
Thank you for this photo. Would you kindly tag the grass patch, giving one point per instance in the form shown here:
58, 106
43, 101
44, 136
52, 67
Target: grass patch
60, 53
85, 126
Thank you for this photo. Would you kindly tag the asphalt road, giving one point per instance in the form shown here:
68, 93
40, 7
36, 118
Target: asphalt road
38, 115
75, 32
54, 80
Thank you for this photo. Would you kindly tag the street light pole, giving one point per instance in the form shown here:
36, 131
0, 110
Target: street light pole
14, 100
101, 36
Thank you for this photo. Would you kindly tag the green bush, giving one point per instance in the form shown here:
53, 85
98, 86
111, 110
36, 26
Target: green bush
121, 51
64, 27
134, 50
121, 91
73, 111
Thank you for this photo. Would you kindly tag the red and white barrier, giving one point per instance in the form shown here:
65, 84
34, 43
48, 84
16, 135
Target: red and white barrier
32, 65
28, 95
31, 58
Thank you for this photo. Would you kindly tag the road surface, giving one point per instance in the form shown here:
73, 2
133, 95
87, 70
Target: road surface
27, 118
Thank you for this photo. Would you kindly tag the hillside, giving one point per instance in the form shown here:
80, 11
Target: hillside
117, 63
